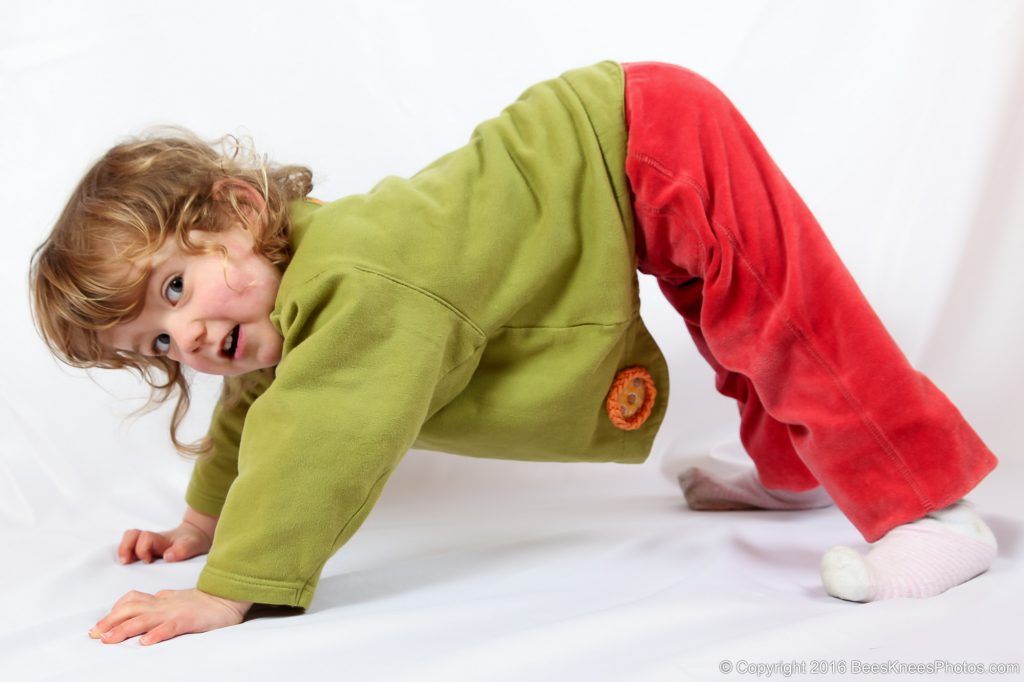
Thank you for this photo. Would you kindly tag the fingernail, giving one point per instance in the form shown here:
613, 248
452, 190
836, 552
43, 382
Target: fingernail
123, 560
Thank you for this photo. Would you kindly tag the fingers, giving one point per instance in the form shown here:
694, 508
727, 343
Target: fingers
156, 617
144, 547
150, 543
143, 544
153, 627
186, 547
166, 630
126, 550
178, 551
132, 627
130, 605
167, 614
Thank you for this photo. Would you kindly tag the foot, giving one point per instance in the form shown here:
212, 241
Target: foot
705, 491
919, 559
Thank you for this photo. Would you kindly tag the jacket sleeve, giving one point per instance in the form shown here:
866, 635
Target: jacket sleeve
363, 358
214, 473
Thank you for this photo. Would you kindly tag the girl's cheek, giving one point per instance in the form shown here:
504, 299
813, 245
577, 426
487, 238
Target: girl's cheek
200, 367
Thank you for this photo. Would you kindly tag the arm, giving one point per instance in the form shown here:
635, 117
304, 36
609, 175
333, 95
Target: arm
170, 612
215, 471
363, 357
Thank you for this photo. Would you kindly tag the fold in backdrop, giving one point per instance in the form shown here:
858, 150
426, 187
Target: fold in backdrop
899, 124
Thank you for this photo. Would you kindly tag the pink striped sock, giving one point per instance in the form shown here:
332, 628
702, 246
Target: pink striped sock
919, 559
705, 491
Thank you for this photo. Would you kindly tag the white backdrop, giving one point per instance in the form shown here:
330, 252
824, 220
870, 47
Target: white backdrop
898, 122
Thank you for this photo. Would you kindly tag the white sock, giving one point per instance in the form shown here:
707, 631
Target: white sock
918, 559
742, 489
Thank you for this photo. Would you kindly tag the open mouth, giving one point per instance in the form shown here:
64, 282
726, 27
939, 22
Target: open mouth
230, 344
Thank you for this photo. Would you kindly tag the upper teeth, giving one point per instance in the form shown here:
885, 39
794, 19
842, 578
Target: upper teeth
228, 340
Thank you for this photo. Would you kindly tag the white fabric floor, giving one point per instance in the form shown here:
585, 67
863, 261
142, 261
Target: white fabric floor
601, 573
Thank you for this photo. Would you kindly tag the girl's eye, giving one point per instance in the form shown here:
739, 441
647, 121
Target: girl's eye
162, 344
175, 288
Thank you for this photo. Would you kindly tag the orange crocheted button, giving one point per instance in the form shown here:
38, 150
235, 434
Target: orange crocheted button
630, 398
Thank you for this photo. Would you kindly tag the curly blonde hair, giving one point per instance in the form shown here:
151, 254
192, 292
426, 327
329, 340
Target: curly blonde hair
150, 188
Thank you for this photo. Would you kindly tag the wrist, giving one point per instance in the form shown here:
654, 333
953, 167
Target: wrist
207, 524
241, 606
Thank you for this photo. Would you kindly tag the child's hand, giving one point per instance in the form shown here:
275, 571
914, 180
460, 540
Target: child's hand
184, 542
167, 614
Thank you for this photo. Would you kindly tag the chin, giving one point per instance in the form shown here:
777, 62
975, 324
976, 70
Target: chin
239, 372
228, 372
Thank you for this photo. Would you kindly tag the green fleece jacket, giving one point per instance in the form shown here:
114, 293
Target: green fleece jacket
484, 307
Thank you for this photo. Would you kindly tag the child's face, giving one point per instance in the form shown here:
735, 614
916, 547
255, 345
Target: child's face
190, 310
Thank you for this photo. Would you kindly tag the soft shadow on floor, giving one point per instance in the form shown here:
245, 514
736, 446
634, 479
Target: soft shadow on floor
272, 611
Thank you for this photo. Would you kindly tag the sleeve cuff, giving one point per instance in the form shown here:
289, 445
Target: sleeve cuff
257, 590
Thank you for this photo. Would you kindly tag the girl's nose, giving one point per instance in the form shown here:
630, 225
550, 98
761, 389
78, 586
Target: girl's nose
193, 336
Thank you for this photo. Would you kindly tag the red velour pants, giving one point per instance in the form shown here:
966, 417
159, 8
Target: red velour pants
825, 394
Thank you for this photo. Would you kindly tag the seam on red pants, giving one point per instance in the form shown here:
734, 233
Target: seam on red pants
871, 427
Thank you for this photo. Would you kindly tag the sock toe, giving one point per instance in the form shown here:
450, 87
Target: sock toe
846, 575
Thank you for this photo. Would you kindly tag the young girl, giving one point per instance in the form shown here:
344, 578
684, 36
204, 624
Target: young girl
488, 306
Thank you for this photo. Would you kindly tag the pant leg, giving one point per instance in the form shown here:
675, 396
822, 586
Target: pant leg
764, 438
717, 221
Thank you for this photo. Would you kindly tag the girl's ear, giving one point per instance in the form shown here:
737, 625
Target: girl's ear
249, 200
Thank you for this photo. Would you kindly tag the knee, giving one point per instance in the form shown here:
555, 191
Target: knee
685, 85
